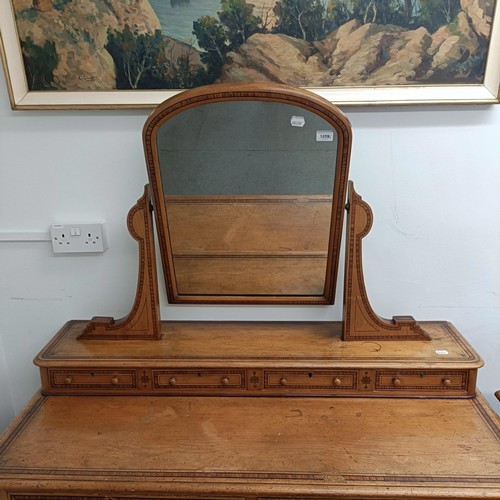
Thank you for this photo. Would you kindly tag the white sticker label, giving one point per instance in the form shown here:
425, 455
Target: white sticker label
441, 351
297, 121
324, 135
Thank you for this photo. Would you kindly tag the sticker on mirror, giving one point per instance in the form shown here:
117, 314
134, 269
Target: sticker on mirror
324, 135
297, 121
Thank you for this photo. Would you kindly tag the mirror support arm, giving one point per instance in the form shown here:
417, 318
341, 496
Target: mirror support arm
143, 321
360, 320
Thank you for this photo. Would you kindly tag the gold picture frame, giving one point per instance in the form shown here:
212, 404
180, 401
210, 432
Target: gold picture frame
486, 91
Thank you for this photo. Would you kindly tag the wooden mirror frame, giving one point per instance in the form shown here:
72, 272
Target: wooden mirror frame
249, 92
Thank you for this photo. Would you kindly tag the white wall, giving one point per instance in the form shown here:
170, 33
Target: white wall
431, 175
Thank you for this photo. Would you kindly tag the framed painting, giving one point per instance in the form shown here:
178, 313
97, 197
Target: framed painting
135, 53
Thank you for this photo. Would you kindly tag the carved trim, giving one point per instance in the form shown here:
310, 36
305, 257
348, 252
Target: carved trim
487, 418
188, 474
20, 424
143, 321
360, 320
398, 478
53, 497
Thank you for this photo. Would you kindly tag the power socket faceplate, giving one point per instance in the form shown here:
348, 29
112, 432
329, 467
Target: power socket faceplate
78, 238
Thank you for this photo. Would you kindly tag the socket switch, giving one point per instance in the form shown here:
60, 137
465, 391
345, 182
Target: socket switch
78, 238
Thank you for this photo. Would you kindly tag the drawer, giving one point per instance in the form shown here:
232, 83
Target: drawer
199, 379
431, 380
92, 379
311, 379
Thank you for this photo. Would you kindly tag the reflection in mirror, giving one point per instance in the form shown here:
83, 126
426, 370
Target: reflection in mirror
245, 190
248, 196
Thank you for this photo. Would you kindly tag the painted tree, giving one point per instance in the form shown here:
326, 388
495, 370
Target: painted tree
435, 13
337, 13
405, 13
212, 39
239, 20
300, 18
139, 58
216, 36
40, 63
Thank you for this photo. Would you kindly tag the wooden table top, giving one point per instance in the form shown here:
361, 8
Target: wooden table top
355, 447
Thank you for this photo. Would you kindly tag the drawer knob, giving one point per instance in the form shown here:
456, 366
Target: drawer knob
172, 381
115, 380
283, 381
337, 381
396, 382
68, 379
225, 381
446, 382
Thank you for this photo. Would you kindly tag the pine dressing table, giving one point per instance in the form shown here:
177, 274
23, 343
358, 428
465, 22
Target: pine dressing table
248, 186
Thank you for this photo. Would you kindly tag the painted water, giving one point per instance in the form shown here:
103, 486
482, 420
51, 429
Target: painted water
176, 16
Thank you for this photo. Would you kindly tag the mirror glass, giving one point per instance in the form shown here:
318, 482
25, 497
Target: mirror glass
246, 192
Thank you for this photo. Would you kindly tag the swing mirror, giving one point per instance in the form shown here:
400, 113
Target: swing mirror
248, 185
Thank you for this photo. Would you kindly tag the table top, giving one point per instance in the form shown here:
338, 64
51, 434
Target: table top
270, 446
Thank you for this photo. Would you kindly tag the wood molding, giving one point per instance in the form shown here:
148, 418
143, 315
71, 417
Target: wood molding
143, 321
360, 320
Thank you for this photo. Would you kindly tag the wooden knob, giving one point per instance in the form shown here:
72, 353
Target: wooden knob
68, 379
446, 382
225, 381
172, 381
115, 380
396, 382
337, 381
283, 381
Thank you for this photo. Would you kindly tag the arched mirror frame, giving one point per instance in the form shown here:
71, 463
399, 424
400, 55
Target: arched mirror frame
249, 92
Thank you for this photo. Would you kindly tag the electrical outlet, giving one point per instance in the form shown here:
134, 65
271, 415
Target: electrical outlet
78, 238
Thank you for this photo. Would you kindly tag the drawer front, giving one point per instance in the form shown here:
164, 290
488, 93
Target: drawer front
92, 379
299, 380
418, 380
260, 382
177, 380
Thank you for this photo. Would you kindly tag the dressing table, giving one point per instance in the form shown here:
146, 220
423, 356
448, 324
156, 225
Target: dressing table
248, 186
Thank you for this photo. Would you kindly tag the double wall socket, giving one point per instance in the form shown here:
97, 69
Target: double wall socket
78, 238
